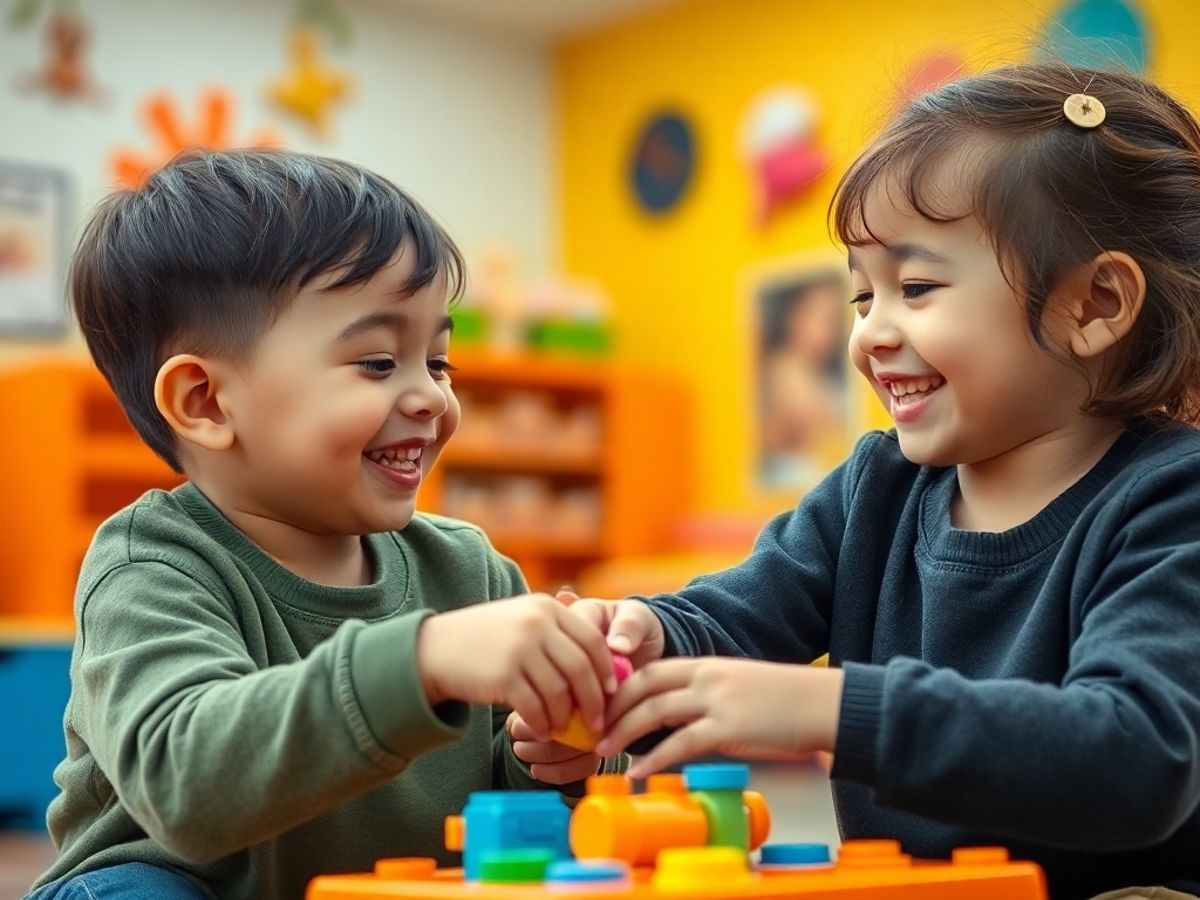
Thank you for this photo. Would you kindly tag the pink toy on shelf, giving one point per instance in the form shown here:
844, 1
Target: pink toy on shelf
577, 734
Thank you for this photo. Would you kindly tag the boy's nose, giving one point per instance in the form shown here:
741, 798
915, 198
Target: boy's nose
423, 400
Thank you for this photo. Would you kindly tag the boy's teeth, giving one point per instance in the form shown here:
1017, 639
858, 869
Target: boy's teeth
405, 459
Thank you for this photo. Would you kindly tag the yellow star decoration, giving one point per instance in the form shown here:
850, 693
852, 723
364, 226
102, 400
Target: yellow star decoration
309, 89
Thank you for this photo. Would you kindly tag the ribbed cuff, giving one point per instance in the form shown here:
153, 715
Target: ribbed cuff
855, 750
387, 682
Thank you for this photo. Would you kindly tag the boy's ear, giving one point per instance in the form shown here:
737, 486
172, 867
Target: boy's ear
1104, 298
187, 393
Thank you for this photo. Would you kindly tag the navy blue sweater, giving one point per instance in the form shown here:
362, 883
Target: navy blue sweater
1037, 688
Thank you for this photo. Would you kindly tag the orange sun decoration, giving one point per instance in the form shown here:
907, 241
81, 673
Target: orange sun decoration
131, 168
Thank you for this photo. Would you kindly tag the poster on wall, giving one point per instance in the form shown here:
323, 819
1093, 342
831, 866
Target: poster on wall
32, 245
803, 373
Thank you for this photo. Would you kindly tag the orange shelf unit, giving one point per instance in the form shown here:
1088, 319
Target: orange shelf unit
70, 459
565, 463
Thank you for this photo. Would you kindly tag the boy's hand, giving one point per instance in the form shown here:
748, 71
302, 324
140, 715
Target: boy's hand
548, 761
528, 652
630, 627
736, 707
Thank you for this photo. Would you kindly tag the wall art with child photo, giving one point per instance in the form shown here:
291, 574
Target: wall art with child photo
33, 219
802, 390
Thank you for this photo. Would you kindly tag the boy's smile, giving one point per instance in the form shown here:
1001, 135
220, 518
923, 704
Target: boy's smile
399, 464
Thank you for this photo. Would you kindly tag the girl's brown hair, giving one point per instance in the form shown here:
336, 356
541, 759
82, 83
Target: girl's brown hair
1052, 195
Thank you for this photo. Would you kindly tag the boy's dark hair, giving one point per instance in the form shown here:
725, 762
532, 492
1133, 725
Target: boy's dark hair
205, 256
1052, 195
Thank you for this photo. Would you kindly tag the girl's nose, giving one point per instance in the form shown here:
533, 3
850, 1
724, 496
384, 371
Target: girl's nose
876, 332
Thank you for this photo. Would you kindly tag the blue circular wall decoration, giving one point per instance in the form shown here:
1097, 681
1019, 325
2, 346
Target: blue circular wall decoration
663, 162
1099, 34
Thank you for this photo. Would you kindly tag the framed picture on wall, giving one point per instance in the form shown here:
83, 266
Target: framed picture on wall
803, 374
33, 223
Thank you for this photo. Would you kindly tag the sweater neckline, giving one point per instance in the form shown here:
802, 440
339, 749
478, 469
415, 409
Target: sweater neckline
389, 563
1003, 549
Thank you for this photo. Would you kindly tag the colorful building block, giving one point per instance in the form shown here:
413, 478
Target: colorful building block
718, 788
577, 734
508, 820
656, 846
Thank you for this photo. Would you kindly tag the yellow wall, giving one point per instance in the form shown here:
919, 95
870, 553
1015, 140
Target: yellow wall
677, 285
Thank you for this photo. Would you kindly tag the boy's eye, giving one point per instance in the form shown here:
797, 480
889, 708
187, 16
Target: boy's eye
441, 368
377, 366
861, 301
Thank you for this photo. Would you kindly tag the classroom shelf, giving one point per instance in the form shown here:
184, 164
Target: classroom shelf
70, 460
564, 463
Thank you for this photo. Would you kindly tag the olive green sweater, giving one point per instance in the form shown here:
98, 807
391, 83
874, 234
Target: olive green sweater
251, 729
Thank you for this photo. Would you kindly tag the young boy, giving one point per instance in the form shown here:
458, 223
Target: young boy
274, 661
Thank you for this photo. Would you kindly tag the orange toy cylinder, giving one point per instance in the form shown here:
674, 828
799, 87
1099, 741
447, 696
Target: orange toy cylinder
612, 823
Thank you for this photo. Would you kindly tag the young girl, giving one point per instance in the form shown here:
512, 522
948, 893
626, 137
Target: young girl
1007, 583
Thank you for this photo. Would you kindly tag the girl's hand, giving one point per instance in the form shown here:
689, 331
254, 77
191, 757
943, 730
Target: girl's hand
548, 761
629, 626
736, 707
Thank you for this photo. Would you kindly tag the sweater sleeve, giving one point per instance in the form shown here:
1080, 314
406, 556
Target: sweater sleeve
209, 753
776, 604
1107, 759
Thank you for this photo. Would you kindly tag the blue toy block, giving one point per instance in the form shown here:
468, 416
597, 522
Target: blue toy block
717, 776
513, 820
34, 687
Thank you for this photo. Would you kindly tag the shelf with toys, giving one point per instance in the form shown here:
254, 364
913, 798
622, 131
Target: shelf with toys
564, 463
566, 457
78, 461
699, 835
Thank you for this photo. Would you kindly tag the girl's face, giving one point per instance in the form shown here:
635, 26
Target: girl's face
944, 341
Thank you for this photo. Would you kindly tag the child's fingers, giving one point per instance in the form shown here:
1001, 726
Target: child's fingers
697, 739
653, 679
518, 729
572, 770
591, 640
629, 627
539, 752
566, 595
584, 684
552, 687
527, 703
657, 710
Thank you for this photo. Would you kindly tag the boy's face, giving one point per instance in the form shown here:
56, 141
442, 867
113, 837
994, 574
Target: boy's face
345, 405
945, 342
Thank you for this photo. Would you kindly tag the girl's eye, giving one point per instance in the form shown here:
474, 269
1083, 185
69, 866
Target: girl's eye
915, 289
441, 368
377, 366
861, 297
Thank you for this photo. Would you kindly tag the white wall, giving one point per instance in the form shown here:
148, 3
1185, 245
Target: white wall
459, 118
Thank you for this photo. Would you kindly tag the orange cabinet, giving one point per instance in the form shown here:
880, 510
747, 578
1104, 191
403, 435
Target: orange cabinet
69, 460
564, 463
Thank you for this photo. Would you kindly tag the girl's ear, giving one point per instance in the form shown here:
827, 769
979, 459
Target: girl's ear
187, 391
1104, 299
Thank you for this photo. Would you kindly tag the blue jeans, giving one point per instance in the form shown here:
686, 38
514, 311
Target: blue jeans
128, 881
